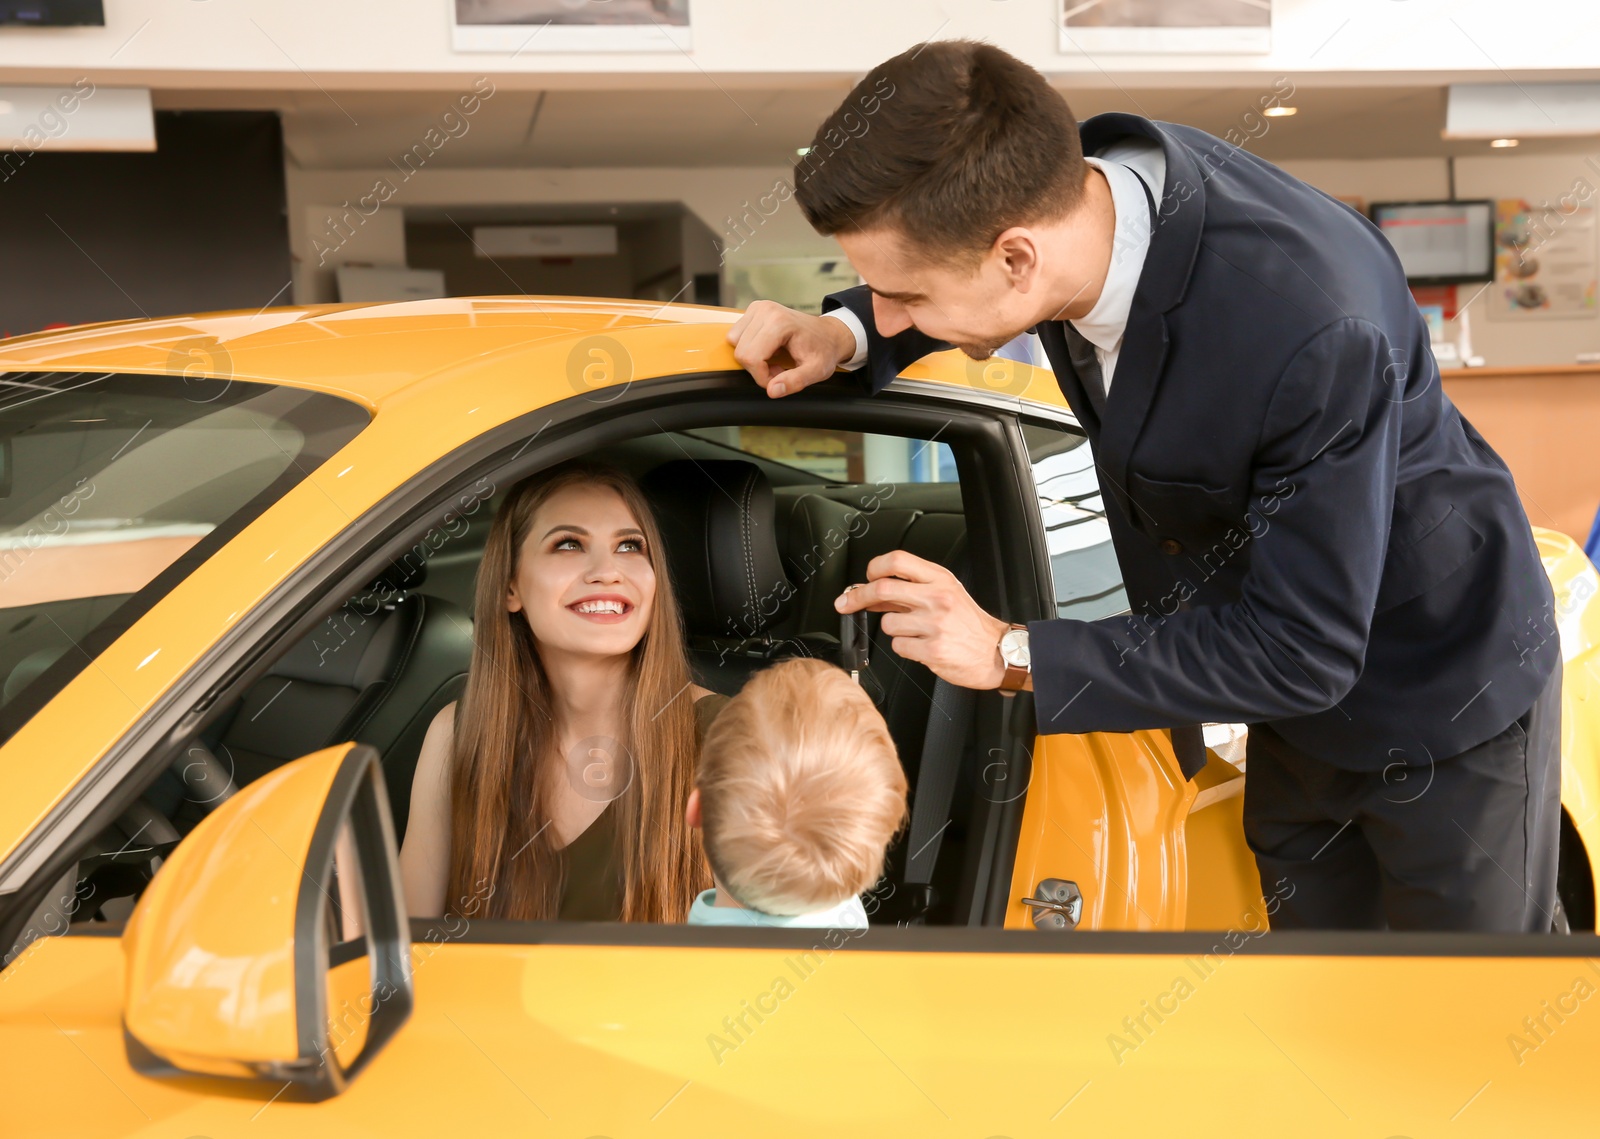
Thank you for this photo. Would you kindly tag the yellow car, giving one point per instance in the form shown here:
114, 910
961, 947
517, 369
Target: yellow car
236, 561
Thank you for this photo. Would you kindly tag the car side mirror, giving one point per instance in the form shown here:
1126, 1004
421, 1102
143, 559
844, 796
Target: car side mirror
273, 944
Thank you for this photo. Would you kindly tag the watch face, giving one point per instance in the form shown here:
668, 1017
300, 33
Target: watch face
1014, 648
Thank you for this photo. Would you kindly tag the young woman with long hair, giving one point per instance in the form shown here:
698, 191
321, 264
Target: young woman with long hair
556, 786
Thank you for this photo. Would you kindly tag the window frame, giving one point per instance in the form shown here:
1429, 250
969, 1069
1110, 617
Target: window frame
569, 428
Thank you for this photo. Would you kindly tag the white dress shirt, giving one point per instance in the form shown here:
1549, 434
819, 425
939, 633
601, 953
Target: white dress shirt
1124, 164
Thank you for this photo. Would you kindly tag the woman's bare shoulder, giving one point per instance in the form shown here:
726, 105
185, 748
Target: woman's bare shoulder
708, 706
435, 756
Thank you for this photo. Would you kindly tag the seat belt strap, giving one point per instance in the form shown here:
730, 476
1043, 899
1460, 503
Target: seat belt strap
949, 719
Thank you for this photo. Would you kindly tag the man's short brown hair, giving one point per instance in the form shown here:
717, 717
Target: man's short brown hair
800, 789
951, 143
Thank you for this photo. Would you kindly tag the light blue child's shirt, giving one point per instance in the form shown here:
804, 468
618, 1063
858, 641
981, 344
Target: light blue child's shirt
848, 914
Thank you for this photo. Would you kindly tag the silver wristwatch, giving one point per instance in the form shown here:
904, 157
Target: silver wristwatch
1015, 656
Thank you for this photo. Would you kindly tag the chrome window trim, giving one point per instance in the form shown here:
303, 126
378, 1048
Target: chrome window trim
988, 400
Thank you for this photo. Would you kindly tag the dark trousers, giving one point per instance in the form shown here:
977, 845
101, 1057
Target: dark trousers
1465, 842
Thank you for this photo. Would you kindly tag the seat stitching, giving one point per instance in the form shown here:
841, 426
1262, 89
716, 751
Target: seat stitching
748, 495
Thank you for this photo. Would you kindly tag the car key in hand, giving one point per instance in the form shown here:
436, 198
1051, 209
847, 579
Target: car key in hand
853, 643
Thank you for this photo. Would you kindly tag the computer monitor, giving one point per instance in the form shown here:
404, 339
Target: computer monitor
52, 13
1440, 243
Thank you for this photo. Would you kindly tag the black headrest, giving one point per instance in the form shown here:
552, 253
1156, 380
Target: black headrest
718, 524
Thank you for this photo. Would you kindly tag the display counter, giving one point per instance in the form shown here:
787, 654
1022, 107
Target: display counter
1545, 423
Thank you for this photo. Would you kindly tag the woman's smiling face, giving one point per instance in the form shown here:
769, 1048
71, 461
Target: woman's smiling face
584, 580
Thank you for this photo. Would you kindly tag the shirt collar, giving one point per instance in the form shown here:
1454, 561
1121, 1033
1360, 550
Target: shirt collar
1105, 323
848, 914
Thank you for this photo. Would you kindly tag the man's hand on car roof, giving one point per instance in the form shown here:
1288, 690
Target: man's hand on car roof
787, 350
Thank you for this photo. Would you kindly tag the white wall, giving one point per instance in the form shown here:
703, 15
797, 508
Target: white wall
400, 44
1375, 180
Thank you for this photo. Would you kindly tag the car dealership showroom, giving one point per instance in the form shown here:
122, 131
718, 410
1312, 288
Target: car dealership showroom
1121, 476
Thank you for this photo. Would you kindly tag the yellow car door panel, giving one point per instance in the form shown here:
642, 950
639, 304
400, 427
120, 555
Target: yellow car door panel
928, 1032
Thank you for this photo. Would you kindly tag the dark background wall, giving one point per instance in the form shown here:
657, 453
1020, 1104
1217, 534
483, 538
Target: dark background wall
197, 226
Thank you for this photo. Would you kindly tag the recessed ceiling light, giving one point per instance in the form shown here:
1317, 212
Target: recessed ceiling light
803, 151
1280, 112
1503, 142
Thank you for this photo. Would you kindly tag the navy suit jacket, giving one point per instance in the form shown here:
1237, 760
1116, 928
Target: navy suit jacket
1310, 533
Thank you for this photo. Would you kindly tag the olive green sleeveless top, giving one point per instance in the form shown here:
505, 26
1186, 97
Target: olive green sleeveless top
593, 871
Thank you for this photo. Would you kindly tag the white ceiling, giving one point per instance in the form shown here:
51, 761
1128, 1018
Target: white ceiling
742, 127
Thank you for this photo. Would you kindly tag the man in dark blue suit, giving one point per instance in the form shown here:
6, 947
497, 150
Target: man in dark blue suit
1314, 541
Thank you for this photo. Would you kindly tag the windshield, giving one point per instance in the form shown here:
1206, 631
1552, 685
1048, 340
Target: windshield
113, 488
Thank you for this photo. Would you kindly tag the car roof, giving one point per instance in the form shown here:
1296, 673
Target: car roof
369, 352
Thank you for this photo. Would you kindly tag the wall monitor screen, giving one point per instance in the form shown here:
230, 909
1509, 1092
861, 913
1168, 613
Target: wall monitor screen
1440, 243
52, 13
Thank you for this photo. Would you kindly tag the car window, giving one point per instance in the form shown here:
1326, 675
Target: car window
114, 487
835, 456
410, 644
1083, 564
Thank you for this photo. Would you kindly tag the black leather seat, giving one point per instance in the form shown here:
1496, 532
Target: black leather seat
718, 525
377, 672
827, 540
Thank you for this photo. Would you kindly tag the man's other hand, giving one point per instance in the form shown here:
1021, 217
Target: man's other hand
931, 619
787, 350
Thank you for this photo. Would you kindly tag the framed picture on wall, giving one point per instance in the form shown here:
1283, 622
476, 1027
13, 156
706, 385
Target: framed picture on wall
1137, 26
570, 25
1546, 263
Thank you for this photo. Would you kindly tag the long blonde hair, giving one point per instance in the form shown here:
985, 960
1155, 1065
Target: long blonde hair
501, 848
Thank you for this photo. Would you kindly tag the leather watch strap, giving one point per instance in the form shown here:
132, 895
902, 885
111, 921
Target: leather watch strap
1015, 679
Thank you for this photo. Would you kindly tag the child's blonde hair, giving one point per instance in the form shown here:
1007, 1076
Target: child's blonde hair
800, 790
